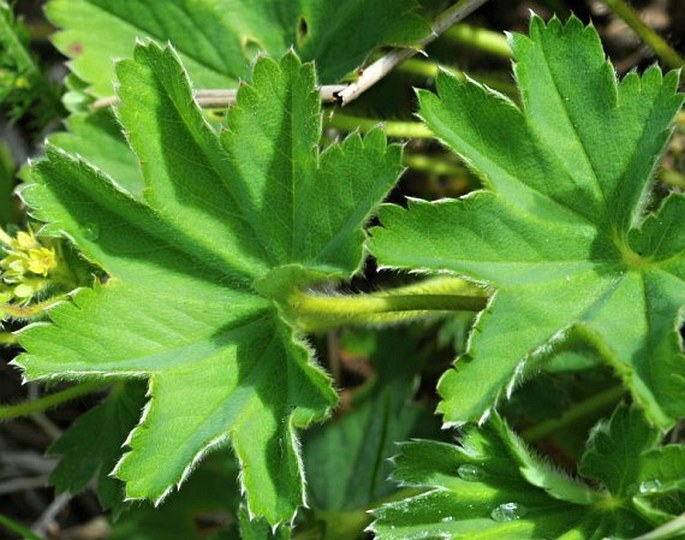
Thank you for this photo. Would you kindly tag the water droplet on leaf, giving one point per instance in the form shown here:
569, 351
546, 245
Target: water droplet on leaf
447, 519
652, 486
91, 231
510, 511
470, 473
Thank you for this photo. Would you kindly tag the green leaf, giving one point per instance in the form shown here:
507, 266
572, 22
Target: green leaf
258, 529
8, 210
24, 88
220, 215
97, 138
662, 470
217, 41
85, 456
614, 451
493, 486
347, 458
561, 231
625, 457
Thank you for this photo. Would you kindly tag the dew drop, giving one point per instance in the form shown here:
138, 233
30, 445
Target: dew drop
91, 231
447, 519
651, 486
510, 511
470, 473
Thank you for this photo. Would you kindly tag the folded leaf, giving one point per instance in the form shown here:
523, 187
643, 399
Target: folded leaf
219, 221
493, 486
561, 231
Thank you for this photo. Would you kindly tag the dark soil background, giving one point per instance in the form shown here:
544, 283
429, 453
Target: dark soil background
24, 469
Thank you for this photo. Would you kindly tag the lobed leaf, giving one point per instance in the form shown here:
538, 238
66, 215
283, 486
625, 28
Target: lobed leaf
217, 41
97, 138
193, 262
561, 231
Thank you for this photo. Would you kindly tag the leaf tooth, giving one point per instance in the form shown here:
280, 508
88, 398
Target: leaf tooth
516, 378
486, 414
217, 442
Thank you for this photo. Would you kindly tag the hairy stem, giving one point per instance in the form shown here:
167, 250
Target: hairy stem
585, 408
33, 310
662, 49
8, 412
392, 128
343, 94
314, 312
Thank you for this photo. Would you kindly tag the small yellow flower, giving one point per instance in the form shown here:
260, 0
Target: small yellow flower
25, 241
26, 265
41, 260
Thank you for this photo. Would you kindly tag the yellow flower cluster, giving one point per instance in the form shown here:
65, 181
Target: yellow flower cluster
25, 267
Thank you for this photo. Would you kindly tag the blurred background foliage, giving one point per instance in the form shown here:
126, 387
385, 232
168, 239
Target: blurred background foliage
387, 378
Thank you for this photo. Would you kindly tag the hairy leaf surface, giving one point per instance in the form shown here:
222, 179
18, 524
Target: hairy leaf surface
97, 138
220, 217
561, 231
218, 40
491, 486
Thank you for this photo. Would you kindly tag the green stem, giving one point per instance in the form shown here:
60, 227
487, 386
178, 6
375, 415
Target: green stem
25, 63
586, 408
479, 38
662, 49
349, 524
429, 70
8, 412
672, 178
10, 42
316, 313
667, 530
25, 533
392, 128
8, 338
421, 162
33, 310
